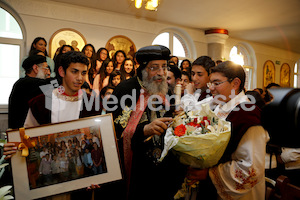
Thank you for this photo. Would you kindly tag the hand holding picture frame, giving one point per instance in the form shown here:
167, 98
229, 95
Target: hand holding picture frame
67, 156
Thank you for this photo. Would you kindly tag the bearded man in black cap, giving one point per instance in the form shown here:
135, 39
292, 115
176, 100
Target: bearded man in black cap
140, 125
36, 69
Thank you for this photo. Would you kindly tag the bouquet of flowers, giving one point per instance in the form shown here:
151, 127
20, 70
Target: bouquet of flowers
199, 138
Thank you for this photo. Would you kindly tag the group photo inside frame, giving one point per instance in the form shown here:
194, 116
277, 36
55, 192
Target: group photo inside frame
66, 36
66, 156
120, 42
269, 73
285, 73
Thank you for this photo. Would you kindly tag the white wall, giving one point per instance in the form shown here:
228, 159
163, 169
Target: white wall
43, 18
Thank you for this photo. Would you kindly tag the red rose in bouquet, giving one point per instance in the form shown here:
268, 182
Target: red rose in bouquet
180, 130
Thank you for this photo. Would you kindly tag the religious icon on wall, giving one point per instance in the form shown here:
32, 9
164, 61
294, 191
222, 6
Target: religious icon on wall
66, 36
120, 42
269, 73
285, 72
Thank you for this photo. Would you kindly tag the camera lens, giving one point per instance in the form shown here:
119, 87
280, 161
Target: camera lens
281, 117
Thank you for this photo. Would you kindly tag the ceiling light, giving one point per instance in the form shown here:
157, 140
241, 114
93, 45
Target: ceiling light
138, 3
149, 4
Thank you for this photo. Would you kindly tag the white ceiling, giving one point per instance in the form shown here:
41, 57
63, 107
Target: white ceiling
271, 22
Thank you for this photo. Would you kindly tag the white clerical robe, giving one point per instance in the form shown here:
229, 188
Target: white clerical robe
61, 111
243, 176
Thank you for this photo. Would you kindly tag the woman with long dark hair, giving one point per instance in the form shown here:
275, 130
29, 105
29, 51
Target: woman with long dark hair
186, 65
89, 51
40, 44
127, 69
102, 54
118, 59
102, 78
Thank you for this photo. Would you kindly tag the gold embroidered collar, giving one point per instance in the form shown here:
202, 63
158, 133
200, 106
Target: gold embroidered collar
141, 83
67, 98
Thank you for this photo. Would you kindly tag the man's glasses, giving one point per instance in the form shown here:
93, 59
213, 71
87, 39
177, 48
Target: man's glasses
46, 68
215, 84
156, 69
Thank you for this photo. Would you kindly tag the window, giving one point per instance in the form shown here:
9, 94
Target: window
8, 53
297, 75
175, 43
11, 48
240, 55
9, 27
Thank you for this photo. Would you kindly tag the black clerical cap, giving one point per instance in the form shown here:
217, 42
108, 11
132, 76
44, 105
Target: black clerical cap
31, 60
154, 52
149, 53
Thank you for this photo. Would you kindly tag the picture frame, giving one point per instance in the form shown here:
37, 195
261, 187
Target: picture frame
30, 185
268, 73
67, 36
121, 42
285, 72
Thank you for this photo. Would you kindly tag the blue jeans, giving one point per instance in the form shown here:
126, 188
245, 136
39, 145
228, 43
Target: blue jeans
97, 170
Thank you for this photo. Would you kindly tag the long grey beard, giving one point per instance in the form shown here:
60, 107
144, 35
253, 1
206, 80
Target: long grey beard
154, 87
40, 74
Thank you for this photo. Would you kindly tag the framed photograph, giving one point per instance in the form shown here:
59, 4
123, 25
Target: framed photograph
285, 73
67, 36
269, 73
121, 42
67, 156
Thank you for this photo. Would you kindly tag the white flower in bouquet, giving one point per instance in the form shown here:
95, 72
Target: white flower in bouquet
199, 137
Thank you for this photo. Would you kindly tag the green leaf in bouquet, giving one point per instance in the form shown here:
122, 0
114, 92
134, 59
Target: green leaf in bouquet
204, 130
214, 121
2, 169
200, 157
2, 142
4, 191
3, 165
2, 159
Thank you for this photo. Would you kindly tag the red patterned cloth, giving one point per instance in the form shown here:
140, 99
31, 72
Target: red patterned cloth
130, 129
